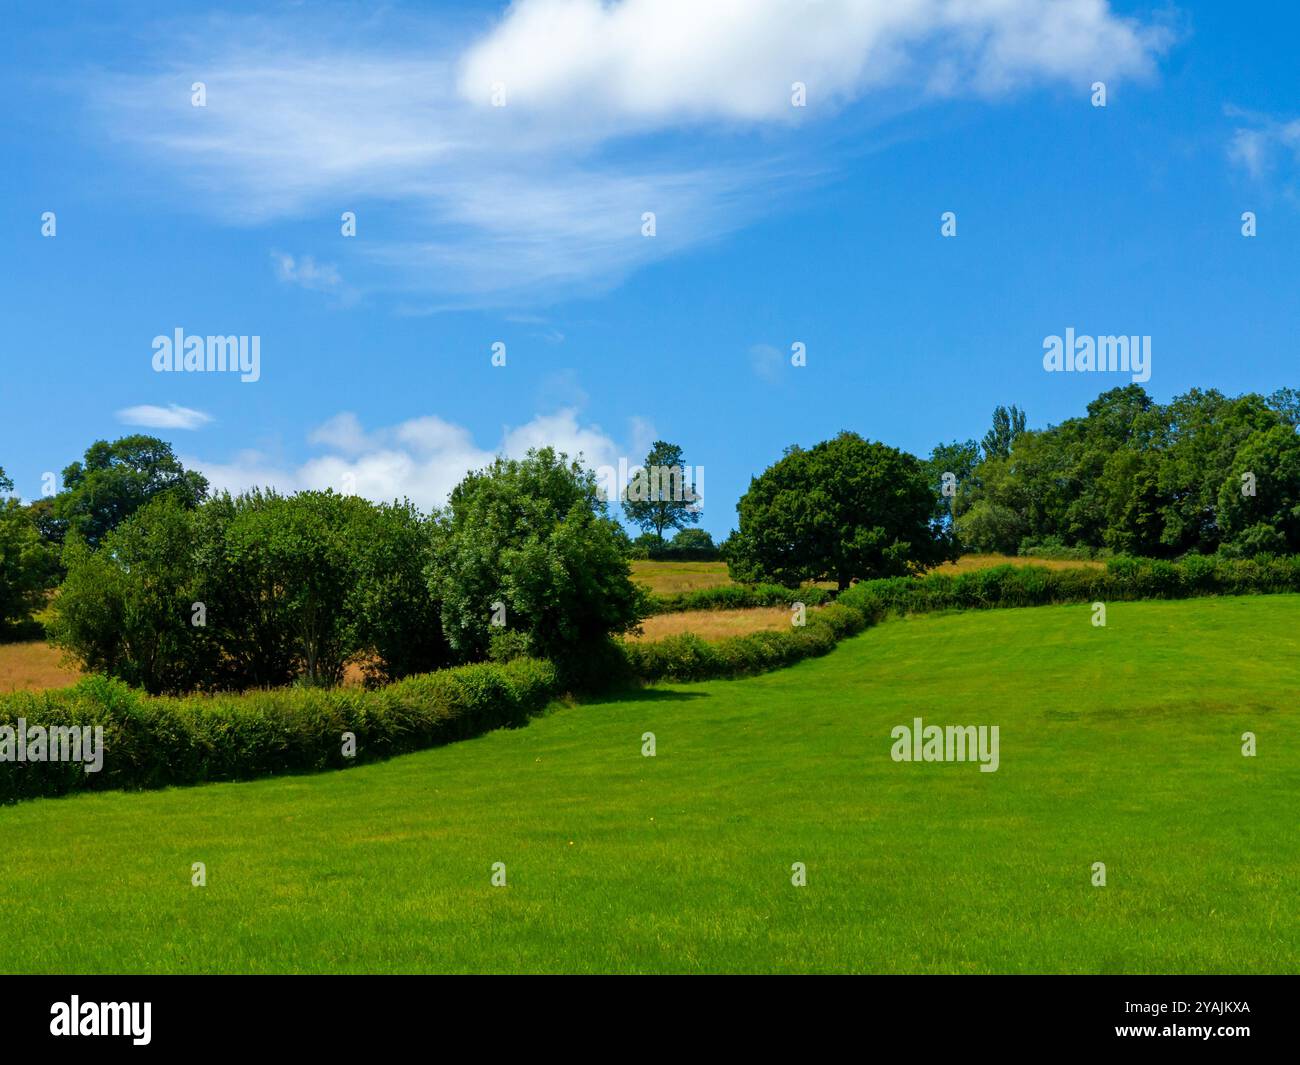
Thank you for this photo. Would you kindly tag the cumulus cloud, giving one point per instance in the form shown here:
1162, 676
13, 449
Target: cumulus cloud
661, 60
421, 459
169, 417
612, 110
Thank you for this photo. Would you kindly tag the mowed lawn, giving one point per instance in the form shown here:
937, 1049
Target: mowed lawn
1118, 745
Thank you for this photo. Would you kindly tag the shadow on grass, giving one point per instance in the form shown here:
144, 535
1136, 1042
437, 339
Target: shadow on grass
645, 695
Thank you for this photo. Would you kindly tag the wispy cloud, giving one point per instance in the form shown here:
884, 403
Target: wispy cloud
1261, 142
169, 417
306, 273
611, 110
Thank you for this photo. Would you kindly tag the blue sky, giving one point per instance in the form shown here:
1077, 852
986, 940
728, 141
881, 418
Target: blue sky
522, 224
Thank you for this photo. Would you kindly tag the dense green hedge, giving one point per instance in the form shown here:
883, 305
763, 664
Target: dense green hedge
738, 597
687, 657
1122, 579
157, 741
161, 741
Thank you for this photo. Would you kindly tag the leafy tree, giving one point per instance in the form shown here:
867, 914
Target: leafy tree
529, 543
958, 459
659, 496
846, 508
285, 587
990, 527
1262, 513
398, 623
115, 480
693, 540
126, 609
1007, 425
300, 554
27, 566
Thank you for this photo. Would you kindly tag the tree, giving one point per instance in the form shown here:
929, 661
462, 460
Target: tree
847, 508
300, 555
957, 461
398, 623
126, 608
115, 480
693, 540
1259, 502
27, 566
526, 546
1007, 425
659, 496
253, 591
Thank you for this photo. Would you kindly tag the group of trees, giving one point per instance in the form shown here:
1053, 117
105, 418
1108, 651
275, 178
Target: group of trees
174, 590
1204, 473
261, 590
27, 564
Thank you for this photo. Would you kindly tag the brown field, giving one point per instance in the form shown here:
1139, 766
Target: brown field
715, 624
33, 666
669, 578
972, 562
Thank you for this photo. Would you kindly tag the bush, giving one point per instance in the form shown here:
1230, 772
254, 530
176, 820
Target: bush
531, 539
162, 741
687, 657
1124, 578
27, 566
737, 597
252, 592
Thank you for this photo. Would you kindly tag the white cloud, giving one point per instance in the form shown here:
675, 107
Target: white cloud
613, 109
169, 417
1257, 145
660, 60
422, 459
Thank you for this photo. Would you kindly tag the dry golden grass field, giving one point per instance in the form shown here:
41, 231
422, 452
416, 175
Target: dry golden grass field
33, 666
715, 624
972, 562
669, 578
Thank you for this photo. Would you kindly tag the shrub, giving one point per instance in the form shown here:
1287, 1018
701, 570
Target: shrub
163, 741
533, 537
737, 597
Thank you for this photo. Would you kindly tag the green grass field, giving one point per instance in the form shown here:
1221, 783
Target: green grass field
1118, 745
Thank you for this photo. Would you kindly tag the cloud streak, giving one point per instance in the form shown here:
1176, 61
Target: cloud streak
169, 417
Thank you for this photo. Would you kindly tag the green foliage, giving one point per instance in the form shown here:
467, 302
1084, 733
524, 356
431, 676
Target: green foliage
533, 536
846, 508
1007, 425
687, 657
659, 496
1124, 578
960, 460
27, 566
156, 742
1138, 477
990, 527
689, 545
253, 591
114, 481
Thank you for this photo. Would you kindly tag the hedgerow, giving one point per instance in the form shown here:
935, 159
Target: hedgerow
1123, 579
737, 597
162, 741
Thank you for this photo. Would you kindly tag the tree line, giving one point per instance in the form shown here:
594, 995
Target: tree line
174, 588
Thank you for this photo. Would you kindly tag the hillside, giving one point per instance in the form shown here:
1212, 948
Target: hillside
1119, 745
